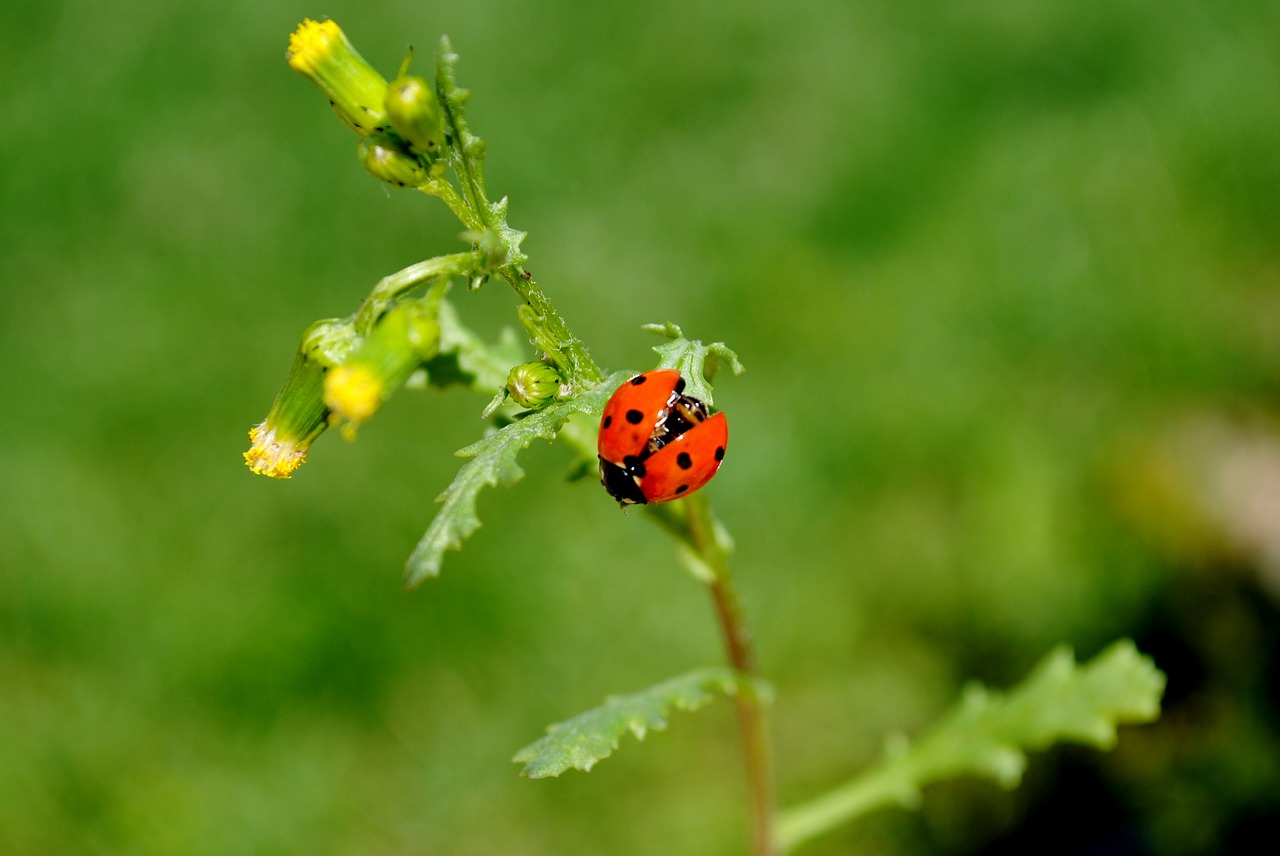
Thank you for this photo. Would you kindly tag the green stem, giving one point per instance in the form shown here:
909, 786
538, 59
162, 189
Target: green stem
442, 189
577, 364
699, 531
393, 286
889, 784
471, 204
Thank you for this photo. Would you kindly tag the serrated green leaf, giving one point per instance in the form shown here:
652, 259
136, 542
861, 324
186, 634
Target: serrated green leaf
468, 360
696, 362
988, 733
1059, 701
493, 462
466, 154
580, 742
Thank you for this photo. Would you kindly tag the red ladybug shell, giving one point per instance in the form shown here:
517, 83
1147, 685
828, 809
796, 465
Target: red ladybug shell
634, 412
687, 462
642, 458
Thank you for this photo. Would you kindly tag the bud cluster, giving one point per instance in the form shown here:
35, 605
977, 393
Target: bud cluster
400, 123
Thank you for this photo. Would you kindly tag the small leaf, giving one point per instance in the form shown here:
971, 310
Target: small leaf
580, 742
493, 462
696, 362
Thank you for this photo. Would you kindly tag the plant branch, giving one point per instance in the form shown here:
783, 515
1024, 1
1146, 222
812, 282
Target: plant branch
487, 221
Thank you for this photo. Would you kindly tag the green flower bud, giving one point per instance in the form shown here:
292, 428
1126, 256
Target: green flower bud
320, 51
535, 385
403, 339
415, 114
387, 158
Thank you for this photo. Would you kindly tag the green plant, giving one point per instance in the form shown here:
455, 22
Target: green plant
413, 134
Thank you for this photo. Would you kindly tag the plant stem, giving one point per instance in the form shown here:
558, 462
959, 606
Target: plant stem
575, 361
443, 190
888, 784
392, 286
472, 206
705, 535
699, 530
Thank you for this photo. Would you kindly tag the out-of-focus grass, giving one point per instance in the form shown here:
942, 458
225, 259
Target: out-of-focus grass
971, 255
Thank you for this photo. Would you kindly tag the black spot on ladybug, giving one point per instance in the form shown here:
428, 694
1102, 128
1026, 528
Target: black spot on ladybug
638, 379
680, 386
608, 420
683, 461
719, 453
682, 488
634, 416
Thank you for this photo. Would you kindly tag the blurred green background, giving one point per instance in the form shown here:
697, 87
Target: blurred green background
1006, 279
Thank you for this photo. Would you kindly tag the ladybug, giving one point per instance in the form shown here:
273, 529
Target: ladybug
657, 444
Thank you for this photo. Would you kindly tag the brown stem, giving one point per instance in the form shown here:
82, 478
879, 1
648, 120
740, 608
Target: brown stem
702, 533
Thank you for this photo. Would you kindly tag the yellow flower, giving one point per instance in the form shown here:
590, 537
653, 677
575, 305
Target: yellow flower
279, 443
320, 51
297, 417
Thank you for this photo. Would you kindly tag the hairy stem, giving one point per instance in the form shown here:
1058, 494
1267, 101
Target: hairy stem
443, 190
571, 353
487, 220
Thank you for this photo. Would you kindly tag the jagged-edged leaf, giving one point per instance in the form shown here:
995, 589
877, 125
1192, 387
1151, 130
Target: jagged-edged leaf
493, 462
580, 742
468, 360
988, 733
696, 362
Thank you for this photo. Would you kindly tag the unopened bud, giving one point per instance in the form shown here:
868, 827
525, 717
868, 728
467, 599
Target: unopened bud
415, 114
535, 385
404, 338
388, 159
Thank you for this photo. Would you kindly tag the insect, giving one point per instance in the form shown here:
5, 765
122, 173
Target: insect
657, 444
